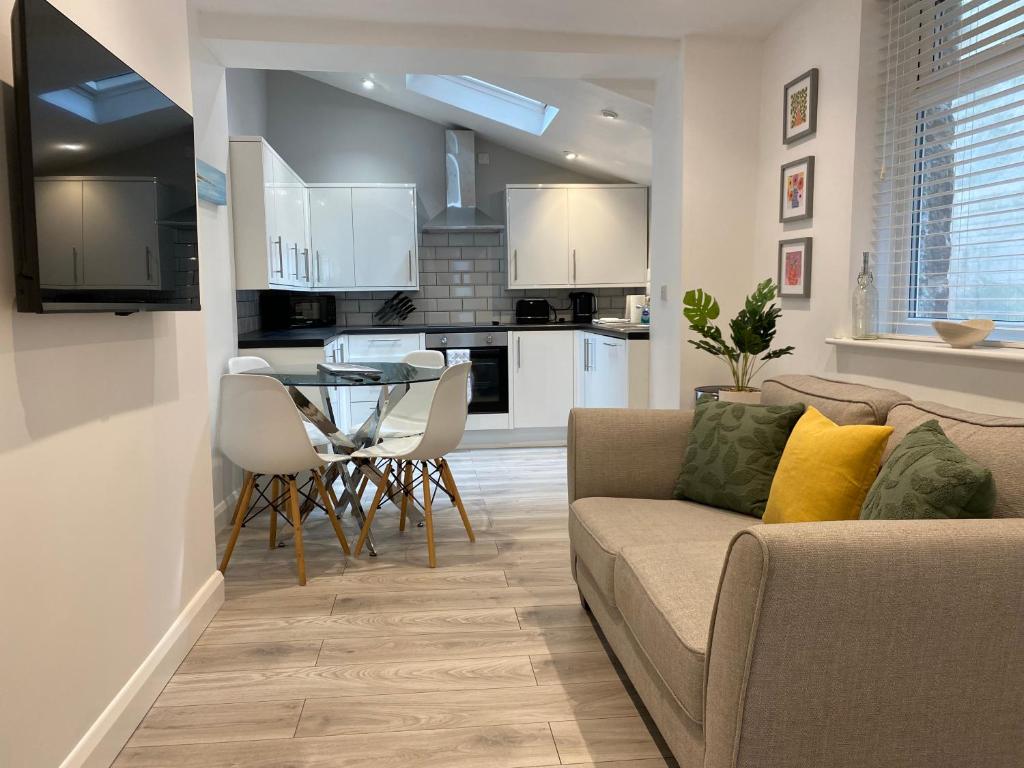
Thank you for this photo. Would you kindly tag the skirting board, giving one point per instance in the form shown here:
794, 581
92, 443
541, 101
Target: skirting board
223, 511
103, 741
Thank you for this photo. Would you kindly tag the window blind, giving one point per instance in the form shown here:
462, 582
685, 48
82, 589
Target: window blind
949, 200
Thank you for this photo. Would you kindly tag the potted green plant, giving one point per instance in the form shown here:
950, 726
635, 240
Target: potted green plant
751, 334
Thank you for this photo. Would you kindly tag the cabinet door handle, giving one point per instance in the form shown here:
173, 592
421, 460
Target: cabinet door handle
609, 344
410, 266
305, 261
74, 264
519, 353
515, 264
280, 256
586, 355
574, 265
319, 267
295, 248
149, 268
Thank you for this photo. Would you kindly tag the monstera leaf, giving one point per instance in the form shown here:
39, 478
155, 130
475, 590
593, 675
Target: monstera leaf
700, 307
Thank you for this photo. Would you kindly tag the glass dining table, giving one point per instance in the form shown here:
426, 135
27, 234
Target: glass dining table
394, 380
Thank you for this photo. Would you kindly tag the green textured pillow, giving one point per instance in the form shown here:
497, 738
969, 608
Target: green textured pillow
732, 454
927, 477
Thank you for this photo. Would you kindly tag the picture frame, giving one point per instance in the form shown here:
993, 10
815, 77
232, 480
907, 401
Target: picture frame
800, 107
796, 190
795, 268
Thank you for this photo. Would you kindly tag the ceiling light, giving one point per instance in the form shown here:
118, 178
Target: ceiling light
368, 84
609, 114
71, 147
570, 155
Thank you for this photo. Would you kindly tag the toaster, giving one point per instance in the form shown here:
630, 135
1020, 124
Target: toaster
533, 311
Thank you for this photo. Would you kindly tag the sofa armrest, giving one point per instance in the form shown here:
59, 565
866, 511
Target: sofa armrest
862, 644
625, 453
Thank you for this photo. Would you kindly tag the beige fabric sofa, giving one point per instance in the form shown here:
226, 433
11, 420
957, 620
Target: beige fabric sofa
813, 645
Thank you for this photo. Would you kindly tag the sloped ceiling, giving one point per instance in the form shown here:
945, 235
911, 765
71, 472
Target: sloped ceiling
617, 149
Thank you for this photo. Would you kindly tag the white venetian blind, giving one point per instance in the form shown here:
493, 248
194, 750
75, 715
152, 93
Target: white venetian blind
949, 201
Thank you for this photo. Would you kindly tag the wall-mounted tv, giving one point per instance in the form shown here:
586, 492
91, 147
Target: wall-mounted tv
103, 181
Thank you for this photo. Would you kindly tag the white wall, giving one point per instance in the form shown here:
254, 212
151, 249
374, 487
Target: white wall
247, 105
720, 130
842, 39
216, 267
105, 464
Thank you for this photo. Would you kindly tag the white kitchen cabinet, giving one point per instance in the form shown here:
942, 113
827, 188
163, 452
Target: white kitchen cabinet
604, 372
98, 232
542, 378
384, 236
330, 230
374, 348
293, 229
576, 235
263, 257
608, 235
537, 231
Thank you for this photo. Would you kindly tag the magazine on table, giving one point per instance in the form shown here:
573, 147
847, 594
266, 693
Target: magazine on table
350, 370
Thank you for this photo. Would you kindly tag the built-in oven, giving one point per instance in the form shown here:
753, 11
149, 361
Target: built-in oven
487, 352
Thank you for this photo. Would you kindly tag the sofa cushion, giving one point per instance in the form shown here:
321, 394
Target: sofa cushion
666, 594
732, 452
600, 527
841, 401
992, 441
927, 476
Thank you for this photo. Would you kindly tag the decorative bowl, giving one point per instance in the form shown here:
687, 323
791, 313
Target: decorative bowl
964, 334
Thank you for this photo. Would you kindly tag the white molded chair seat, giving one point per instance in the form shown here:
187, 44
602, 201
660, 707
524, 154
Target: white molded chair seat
262, 432
245, 363
409, 416
444, 428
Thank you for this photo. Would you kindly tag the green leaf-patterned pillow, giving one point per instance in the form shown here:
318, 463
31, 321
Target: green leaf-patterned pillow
732, 454
928, 477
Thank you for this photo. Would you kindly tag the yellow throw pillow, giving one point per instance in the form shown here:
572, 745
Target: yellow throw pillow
825, 471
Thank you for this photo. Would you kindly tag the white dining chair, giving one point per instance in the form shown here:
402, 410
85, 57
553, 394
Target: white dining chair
261, 432
245, 363
409, 416
445, 426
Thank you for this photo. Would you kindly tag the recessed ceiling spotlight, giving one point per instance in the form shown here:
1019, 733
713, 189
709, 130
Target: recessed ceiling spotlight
71, 147
570, 155
368, 84
609, 114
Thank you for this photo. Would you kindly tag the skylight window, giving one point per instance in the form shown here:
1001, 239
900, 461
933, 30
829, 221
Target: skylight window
485, 99
108, 99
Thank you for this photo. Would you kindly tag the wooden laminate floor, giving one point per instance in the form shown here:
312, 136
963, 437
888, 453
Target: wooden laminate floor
486, 661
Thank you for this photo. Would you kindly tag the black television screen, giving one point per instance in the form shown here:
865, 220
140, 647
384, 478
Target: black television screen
105, 198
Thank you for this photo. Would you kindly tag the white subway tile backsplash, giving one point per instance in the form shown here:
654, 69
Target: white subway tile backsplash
462, 280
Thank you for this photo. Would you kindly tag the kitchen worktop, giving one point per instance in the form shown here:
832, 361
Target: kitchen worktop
318, 337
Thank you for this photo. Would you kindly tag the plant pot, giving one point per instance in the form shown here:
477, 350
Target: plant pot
744, 396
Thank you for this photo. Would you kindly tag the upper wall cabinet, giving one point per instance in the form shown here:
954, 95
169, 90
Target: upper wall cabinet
384, 235
332, 237
577, 235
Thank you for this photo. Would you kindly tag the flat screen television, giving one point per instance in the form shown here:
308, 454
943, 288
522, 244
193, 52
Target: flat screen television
103, 182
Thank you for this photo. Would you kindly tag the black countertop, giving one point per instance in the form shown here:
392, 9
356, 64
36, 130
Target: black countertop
318, 337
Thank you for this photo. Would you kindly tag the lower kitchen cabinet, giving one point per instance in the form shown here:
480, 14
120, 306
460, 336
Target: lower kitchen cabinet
604, 380
542, 378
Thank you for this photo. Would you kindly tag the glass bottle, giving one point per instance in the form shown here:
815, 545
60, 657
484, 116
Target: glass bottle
865, 304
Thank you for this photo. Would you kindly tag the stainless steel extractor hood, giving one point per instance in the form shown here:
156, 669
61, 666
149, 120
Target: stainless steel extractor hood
461, 215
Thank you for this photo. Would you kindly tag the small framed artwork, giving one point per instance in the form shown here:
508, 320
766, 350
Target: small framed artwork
796, 193
795, 268
800, 107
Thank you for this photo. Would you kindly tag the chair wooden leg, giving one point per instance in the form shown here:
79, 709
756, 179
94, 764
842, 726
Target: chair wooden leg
449, 481
293, 504
406, 493
329, 508
275, 491
382, 486
240, 508
428, 517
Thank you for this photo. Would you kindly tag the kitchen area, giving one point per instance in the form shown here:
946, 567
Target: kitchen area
534, 274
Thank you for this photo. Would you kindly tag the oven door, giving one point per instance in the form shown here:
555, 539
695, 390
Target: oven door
488, 379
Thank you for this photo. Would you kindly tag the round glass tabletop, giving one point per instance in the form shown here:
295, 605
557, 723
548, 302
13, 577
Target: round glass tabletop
382, 373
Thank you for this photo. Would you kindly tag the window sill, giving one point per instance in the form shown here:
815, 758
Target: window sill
1011, 355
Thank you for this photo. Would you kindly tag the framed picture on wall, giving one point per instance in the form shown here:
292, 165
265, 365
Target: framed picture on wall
795, 268
796, 193
800, 107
